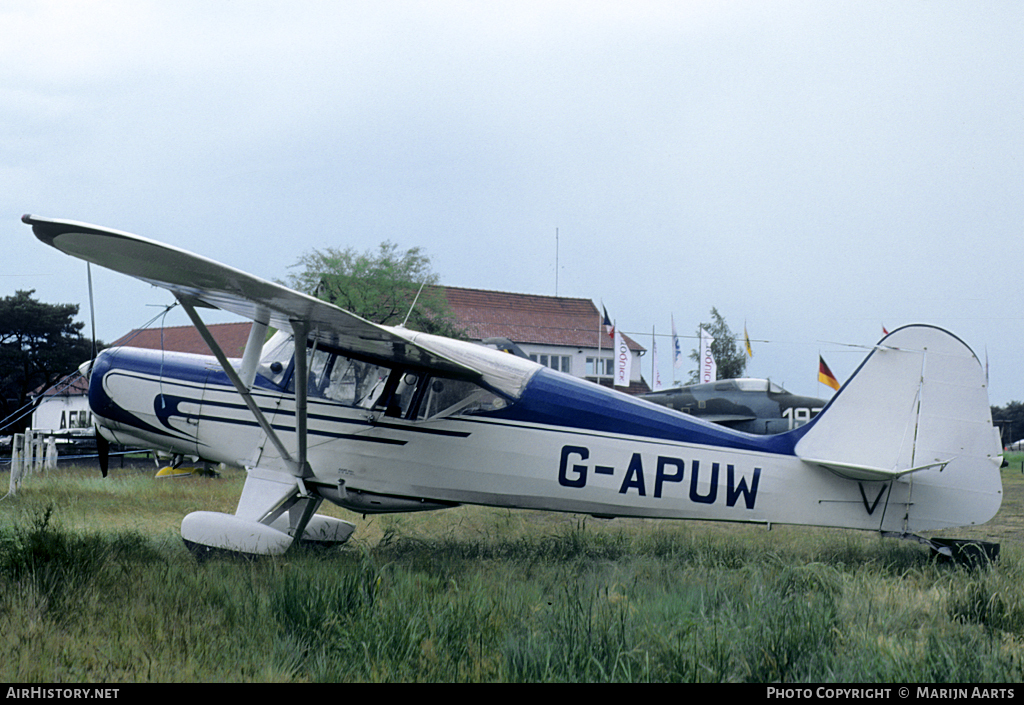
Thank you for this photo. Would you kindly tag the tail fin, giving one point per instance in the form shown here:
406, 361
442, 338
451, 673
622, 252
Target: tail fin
916, 412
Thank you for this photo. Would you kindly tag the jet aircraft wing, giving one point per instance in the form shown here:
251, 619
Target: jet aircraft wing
198, 279
727, 419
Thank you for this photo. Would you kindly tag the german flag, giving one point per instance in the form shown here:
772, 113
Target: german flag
825, 375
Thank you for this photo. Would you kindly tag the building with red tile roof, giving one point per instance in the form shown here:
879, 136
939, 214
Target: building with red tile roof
563, 333
231, 337
559, 332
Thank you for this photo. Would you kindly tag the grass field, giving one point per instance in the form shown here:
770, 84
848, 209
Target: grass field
97, 586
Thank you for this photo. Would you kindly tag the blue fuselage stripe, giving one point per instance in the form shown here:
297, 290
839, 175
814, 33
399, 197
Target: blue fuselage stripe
558, 400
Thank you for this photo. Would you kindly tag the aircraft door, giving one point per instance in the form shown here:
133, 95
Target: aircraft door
334, 380
276, 398
229, 432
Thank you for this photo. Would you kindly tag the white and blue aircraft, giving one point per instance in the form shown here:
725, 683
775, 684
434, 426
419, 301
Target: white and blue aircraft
383, 419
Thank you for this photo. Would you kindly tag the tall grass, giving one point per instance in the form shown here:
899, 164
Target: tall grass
475, 594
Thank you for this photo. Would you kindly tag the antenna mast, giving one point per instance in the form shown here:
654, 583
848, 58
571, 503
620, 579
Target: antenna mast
556, 262
422, 284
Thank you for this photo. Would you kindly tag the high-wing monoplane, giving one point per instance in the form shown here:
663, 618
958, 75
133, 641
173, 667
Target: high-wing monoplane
747, 404
384, 419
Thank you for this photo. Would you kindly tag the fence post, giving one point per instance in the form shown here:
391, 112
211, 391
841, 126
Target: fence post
17, 462
51, 453
37, 451
28, 454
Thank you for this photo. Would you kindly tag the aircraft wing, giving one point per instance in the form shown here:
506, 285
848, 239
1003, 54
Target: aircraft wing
196, 278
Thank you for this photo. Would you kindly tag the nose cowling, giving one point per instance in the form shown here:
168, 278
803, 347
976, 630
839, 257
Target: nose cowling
147, 398
102, 444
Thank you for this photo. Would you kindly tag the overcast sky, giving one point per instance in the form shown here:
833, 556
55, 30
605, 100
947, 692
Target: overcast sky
816, 170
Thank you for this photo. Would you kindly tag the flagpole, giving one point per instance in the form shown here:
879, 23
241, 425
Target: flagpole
556, 263
655, 375
676, 352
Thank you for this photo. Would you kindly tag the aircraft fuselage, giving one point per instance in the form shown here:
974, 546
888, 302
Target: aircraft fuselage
564, 445
381, 418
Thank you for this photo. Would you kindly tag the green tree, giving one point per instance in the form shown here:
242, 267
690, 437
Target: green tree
729, 354
39, 344
379, 285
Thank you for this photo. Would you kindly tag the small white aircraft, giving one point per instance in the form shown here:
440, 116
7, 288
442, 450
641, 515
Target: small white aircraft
384, 419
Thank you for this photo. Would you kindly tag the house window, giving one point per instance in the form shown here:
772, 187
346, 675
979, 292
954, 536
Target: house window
600, 367
562, 363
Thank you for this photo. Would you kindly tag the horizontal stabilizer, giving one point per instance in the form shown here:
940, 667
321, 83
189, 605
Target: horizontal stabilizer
869, 474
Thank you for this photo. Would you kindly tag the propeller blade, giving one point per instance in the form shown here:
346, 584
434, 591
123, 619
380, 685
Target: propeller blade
103, 448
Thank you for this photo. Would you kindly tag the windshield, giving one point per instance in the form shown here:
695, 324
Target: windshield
399, 393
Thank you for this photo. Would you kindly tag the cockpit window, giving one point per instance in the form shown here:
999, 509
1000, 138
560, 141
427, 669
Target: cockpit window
448, 397
758, 385
398, 393
344, 380
331, 376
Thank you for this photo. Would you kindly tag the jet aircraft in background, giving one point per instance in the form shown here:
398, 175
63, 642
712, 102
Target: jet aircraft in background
747, 404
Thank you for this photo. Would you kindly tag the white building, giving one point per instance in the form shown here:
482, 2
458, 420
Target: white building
64, 406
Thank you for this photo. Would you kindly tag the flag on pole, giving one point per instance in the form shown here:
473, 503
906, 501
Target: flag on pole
708, 367
623, 361
746, 340
608, 327
884, 331
677, 351
825, 375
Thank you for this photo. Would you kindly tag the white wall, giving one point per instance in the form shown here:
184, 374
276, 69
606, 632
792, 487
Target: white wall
58, 413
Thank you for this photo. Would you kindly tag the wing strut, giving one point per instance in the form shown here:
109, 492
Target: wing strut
298, 502
301, 331
243, 389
